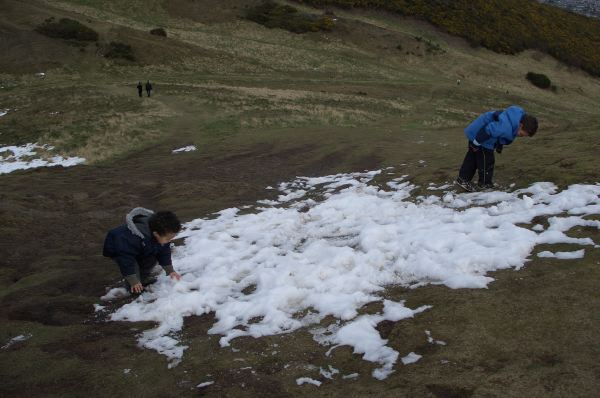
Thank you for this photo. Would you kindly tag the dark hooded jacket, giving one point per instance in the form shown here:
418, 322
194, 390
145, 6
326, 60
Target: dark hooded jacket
133, 243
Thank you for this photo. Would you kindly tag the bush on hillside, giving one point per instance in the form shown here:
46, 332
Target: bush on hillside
68, 29
159, 32
118, 50
539, 80
505, 26
273, 15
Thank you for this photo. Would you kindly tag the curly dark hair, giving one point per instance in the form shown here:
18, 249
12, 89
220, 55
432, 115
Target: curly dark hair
530, 124
164, 222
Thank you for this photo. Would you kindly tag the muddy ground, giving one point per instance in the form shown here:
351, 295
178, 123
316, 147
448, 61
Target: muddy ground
532, 333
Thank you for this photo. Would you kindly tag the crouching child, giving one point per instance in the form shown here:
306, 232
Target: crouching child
140, 243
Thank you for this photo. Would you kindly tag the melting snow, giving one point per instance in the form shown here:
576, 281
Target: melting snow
16, 339
328, 374
307, 380
205, 384
563, 255
115, 293
188, 148
432, 340
411, 358
329, 245
19, 158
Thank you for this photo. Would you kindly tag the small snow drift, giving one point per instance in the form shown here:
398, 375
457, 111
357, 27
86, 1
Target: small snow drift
328, 245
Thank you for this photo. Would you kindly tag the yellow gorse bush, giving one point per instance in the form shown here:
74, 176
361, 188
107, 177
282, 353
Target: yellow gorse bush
505, 26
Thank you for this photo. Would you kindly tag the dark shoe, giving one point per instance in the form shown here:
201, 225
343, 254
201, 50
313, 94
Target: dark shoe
466, 185
486, 187
148, 281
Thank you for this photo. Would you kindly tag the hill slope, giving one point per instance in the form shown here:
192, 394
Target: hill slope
263, 106
504, 26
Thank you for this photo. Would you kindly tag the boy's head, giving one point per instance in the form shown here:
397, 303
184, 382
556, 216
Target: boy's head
528, 126
164, 225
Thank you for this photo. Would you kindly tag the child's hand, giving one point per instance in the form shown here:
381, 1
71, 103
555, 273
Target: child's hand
137, 288
175, 275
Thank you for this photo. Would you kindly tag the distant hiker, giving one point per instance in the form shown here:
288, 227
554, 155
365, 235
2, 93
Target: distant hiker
491, 131
148, 87
139, 87
140, 243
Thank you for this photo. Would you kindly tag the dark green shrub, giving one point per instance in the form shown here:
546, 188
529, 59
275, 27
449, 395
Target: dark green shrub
119, 50
159, 32
68, 29
273, 15
539, 80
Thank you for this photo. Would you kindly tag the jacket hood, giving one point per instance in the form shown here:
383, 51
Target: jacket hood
514, 115
137, 222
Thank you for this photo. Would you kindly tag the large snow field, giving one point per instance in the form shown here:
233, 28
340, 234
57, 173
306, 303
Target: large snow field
23, 157
329, 245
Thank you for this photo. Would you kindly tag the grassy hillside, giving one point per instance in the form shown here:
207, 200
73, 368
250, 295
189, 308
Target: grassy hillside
263, 106
507, 26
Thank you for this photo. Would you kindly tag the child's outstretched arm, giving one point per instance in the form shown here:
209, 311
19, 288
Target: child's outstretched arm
164, 259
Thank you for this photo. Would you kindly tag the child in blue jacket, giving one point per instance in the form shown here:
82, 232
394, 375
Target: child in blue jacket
138, 245
488, 133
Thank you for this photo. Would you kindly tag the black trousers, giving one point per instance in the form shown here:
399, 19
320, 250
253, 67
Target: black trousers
481, 160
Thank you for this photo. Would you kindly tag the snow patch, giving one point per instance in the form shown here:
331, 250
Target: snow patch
562, 255
99, 308
328, 374
431, 340
332, 244
205, 384
411, 358
307, 380
188, 148
115, 293
16, 339
19, 158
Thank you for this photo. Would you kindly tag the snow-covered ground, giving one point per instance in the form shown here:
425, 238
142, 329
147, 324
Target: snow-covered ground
26, 157
329, 245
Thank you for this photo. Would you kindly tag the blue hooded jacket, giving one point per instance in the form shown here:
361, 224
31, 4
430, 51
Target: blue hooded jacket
495, 128
132, 244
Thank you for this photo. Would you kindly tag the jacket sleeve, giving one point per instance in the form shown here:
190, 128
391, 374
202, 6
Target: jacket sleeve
472, 130
164, 258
